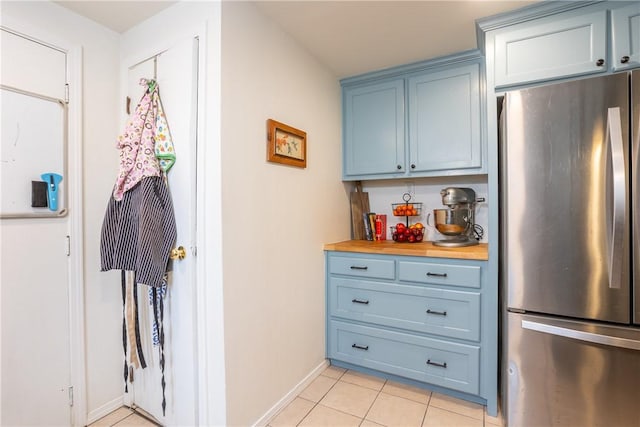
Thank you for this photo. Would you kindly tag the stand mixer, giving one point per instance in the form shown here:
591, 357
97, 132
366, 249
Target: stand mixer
457, 222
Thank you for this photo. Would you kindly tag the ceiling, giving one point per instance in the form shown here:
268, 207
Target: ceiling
348, 37
117, 15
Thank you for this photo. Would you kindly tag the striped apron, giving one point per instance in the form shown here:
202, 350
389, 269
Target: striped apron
139, 227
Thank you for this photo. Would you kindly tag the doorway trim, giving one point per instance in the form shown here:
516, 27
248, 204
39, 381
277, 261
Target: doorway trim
76, 241
204, 20
200, 356
75, 225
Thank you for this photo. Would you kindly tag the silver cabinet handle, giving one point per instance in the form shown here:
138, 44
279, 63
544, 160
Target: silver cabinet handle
624, 59
581, 335
614, 136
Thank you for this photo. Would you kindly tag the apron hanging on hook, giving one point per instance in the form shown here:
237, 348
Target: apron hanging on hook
139, 228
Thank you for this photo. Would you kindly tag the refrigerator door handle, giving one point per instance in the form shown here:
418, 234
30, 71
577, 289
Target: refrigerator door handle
614, 135
581, 335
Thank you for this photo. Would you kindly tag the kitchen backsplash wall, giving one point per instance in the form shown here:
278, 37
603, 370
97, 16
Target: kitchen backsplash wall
382, 193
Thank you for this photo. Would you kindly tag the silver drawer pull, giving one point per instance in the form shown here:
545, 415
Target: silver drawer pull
435, 274
360, 347
358, 267
439, 365
360, 301
439, 313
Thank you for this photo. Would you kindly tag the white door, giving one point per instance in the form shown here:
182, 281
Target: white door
34, 273
176, 73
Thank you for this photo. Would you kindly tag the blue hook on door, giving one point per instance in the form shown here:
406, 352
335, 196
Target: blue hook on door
53, 181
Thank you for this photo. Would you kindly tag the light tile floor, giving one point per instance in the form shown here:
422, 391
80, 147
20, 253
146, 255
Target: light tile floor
340, 397
122, 417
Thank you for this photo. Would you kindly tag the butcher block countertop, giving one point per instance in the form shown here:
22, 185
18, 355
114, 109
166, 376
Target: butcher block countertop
427, 249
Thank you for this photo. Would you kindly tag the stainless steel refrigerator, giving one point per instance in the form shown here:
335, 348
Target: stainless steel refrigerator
570, 253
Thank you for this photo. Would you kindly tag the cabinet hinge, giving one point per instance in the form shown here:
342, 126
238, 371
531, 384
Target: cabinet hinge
71, 396
68, 245
66, 93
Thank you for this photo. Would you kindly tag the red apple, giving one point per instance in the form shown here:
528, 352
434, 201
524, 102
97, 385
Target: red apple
419, 238
402, 237
411, 238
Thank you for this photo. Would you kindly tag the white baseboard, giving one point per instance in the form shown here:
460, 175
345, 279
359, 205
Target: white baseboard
105, 409
288, 398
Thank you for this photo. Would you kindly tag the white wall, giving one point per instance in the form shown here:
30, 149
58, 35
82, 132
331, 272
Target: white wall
276, 218
100, 127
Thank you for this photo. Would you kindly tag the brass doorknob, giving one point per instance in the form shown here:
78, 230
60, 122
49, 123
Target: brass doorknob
178, 253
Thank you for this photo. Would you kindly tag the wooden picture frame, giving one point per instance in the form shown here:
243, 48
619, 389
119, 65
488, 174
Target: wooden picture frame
286, 145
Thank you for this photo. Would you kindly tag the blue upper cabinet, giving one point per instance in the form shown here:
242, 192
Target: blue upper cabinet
444, 120
437, 101
551, 48
374, 126
560, 40
625, 37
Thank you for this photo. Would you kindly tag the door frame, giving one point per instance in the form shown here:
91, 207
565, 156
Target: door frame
75, 218
76, 241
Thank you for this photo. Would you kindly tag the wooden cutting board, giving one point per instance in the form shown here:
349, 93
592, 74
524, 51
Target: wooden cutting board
359, 205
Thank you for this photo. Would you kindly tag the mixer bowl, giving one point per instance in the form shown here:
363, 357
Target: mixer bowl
451, 222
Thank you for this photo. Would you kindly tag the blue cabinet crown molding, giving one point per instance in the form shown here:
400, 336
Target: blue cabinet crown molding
415, 67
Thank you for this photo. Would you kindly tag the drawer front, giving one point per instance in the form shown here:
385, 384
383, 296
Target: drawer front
440, 274
363, 267
451, 365
443, 312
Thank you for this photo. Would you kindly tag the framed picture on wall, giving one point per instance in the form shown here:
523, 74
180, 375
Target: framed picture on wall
286, 145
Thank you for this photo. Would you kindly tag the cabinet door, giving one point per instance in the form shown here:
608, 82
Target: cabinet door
551, 49
374, 129
625, 27
444, 120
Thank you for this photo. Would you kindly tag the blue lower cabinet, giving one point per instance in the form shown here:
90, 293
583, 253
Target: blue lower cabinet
431, 320
451, 365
